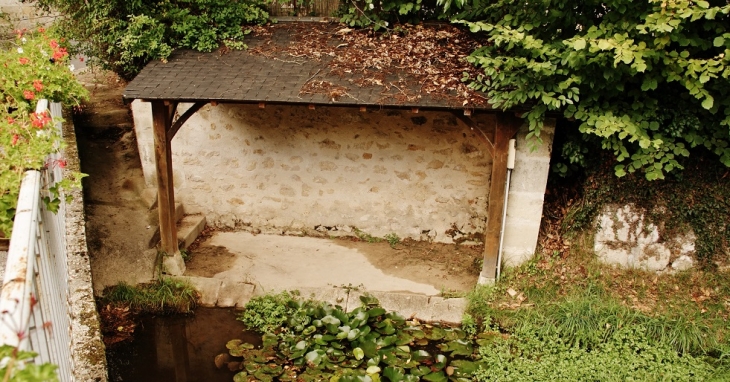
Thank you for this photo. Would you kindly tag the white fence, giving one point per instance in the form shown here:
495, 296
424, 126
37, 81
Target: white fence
34, 301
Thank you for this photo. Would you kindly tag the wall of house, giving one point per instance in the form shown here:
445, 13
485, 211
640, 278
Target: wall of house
288, 169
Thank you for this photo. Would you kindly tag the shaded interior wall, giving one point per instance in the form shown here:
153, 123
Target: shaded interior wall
290, 169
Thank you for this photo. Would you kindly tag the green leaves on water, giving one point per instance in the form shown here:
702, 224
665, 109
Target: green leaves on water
324, 343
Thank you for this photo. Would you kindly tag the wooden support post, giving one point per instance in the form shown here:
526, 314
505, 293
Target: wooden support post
507, 126
161, 121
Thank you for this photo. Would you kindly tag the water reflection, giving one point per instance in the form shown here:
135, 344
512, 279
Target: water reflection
178, 349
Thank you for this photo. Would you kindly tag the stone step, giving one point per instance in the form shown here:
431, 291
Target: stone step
154, 219
188, 229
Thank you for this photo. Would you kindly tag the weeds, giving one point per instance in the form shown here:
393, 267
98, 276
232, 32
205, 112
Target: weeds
364, 236
166, 295
392, 239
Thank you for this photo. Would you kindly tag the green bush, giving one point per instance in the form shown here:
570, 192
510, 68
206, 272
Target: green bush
124, 35
650, 79
267, 314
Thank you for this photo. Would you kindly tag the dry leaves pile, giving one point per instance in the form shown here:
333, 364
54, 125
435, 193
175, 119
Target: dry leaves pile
117, 324
406, 63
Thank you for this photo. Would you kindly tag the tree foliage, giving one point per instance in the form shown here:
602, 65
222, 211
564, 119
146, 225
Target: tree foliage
650, 78
123, 35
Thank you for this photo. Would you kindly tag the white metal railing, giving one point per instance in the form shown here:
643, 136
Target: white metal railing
34, 306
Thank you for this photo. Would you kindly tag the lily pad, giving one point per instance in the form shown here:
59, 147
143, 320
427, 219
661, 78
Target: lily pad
358, 353
394, 374
438, 376
222, 359
314, 357
240, 377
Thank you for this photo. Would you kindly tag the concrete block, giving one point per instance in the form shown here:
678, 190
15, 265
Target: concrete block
524, 207
530, 175
235, 294
520, 239
208, 287
447, 309
173, 264
189, 228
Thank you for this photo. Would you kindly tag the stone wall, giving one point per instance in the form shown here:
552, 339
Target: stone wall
87, 348
22, 15
288, 169
626, 238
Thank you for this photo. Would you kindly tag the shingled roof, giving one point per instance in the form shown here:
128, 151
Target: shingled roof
267, 72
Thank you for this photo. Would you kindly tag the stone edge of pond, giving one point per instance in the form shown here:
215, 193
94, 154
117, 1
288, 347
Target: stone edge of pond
87, 348
223, 293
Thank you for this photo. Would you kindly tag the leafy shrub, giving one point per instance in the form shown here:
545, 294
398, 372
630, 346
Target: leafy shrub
650, 79
124, 35
266, 314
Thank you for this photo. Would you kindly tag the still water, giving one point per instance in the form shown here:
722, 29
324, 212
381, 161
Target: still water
178, 348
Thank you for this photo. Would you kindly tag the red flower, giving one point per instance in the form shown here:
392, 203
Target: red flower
81, 59
24, 61
40, 119
15, 139
54, 44
38, 85
41, 30
28, 94
61, 163
59, 54
11, 120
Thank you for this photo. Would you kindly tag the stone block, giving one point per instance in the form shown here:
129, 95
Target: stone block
189, 228
173, 264
208, 287
235, 294
448, 309
683, 263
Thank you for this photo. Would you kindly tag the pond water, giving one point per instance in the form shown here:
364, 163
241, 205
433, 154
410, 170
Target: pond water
178, 348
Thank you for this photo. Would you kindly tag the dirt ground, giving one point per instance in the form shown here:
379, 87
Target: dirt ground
117, 221
119, 224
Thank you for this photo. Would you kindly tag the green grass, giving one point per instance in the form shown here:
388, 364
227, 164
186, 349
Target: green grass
163, 296
574, 318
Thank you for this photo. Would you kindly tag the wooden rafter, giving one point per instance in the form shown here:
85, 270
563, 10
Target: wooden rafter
183, 118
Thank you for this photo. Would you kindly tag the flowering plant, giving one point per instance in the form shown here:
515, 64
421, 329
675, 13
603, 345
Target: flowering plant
34, 67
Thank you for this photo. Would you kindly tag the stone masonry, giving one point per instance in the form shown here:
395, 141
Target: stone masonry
292, 170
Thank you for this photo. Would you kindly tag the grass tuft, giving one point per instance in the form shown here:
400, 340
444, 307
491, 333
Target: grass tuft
166, 295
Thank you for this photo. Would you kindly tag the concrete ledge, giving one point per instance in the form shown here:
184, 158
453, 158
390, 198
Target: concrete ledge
209, 289
235, 294
225, 294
